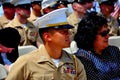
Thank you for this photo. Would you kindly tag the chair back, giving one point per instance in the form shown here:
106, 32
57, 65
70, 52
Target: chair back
26, 49
114, 40
3, 72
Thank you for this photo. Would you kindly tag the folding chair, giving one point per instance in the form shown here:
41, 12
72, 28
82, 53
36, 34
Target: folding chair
26, 49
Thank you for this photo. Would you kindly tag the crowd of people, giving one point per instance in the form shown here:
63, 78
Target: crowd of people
52, 26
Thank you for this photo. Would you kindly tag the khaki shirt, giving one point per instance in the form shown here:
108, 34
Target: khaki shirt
28, 34
3, 21
74, 21
32, 17
38, 65
114, 27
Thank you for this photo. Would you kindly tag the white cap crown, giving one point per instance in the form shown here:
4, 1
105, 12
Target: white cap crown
35, 0
55, 18
20, 2
6, 1
47, 3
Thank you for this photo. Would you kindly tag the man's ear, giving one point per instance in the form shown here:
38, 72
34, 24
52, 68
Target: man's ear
33, 6
74, 6
47, 36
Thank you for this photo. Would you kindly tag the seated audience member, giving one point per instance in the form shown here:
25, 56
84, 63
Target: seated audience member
28, 32
9, 40
101, 61
9, 13
36, 10
49, 62
80, 8
106, 8
76, 16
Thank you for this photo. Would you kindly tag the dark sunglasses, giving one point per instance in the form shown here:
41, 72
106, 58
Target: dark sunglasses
104, 33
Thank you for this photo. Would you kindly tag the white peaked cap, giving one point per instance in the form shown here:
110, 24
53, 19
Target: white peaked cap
35, 0
70, 0
20, 2
47, 3
55, 18
6, 1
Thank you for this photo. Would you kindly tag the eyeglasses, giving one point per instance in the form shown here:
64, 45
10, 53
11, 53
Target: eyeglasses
104, 33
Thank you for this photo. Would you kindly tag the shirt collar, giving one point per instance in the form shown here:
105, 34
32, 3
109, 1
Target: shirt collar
44, 56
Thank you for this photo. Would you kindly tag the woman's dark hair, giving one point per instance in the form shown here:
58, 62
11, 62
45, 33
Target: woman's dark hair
9, 37
87, 30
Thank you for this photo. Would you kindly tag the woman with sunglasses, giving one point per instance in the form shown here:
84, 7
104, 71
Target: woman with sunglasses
101, 61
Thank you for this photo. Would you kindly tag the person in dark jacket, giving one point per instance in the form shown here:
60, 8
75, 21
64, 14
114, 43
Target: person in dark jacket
9, 40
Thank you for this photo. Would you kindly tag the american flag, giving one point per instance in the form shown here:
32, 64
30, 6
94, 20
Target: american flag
116, 9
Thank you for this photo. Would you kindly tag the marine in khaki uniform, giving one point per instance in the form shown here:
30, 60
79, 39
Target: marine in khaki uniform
27, 30
75, 17
50, 62
114, 27
80, 8
9, 13
35, 14
28, 33
3, 21
36, 10
107, 7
